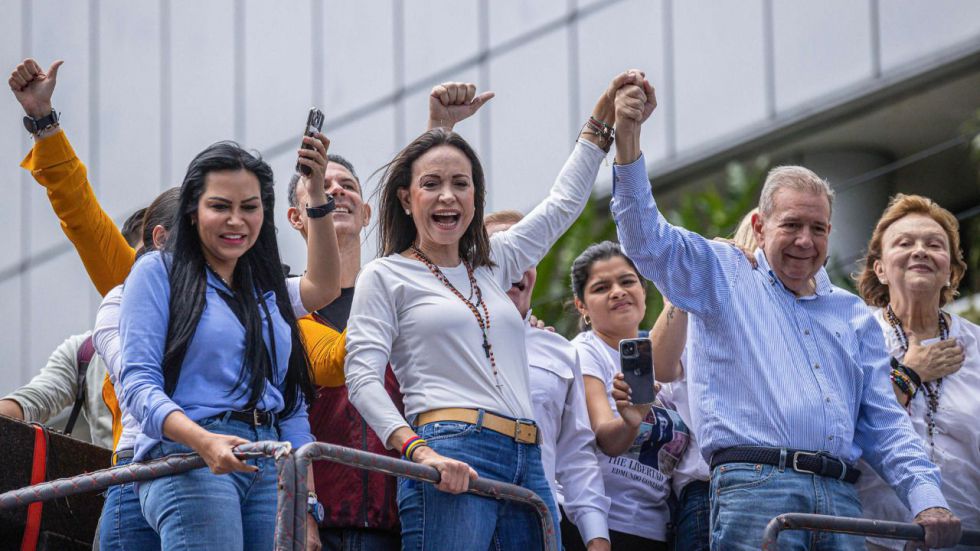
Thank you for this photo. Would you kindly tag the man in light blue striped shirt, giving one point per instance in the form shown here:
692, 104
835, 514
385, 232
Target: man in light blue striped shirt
789, 374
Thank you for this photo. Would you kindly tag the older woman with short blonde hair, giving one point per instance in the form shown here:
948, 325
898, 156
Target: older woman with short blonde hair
913, 268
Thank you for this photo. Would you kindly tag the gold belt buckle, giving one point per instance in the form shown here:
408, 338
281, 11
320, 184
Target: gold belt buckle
525, 432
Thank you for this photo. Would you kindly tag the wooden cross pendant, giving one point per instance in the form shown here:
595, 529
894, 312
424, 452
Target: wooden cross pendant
486, 344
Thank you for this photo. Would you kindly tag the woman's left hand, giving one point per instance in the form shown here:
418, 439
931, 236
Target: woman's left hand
453, 102
316, 160
632, 414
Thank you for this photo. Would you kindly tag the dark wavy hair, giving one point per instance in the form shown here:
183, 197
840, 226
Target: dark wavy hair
256, 272
396, 230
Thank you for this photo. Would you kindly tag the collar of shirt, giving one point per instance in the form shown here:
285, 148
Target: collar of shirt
823, 284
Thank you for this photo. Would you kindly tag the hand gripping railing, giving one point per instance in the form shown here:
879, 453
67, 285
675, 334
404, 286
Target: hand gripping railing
847, 525
389, 465
164, 466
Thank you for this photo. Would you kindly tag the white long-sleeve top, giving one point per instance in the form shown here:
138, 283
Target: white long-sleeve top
568, 449
105, 337
956, 437
403, 315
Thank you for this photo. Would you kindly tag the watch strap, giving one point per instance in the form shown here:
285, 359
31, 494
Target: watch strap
322, 210
35, 126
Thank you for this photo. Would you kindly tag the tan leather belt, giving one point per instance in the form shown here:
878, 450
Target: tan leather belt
523, 432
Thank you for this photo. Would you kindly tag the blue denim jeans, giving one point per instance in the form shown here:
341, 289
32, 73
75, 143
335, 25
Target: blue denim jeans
201, 510
354, 539
122, 526
692, 525
433, 520
746, 496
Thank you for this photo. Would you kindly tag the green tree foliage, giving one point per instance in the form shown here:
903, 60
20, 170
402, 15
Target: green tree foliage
712, 210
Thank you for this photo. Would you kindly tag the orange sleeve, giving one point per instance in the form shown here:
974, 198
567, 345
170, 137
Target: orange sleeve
112, 402
327, 351
104, 251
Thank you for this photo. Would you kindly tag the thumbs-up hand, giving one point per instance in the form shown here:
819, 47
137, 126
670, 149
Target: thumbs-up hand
33, 87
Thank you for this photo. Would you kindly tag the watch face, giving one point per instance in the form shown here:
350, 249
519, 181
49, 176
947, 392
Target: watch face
316, 509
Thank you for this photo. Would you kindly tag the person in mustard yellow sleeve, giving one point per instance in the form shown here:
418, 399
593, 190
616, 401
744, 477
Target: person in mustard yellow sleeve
53, 163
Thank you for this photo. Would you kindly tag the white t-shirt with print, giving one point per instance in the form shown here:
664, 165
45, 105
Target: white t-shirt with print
638, 481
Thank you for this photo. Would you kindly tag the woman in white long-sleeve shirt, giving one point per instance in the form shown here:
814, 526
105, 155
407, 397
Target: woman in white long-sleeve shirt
435, 307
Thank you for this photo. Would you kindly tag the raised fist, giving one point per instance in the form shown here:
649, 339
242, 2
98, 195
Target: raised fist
605, 106
33, 87
453, 102
635, 103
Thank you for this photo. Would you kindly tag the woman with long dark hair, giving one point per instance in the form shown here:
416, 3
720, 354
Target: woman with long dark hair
211, 354
435, 307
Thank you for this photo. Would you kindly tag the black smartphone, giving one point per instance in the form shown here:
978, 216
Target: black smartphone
636, 362
314, 123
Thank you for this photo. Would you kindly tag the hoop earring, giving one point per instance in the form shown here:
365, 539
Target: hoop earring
587, 320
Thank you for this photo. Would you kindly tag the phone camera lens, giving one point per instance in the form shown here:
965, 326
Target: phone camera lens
629, 349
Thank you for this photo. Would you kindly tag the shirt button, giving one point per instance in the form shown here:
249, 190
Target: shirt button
828, 399
816, 366
806, 331
830, 438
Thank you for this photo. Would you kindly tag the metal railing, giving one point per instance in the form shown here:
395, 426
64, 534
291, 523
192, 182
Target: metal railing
847, 525
292, 469
381, 463
157, 468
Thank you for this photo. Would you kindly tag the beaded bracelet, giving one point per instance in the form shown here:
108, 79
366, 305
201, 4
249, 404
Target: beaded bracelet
904, 383
908, 371
605, 133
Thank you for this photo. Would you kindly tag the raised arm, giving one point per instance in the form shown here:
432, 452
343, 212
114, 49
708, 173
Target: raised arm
53, 163
694, 273
452, 102
321, 283
525, 243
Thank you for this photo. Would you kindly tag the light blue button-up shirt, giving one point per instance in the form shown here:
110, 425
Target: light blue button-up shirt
208, 383
770, 368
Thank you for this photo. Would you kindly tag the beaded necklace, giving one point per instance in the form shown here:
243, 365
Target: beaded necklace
932, 392
482, 319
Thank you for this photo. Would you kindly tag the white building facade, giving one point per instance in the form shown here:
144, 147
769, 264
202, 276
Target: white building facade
848, 87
